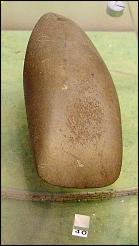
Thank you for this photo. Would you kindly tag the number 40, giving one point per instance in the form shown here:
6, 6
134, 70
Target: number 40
83, 232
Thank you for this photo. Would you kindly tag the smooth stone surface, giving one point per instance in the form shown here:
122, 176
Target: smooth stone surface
72, 107
15, 145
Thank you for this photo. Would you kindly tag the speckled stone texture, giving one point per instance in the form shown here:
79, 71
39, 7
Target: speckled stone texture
72, 107
113, 221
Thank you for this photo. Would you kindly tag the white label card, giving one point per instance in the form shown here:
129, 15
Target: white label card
79, 232
81, 225
81, 220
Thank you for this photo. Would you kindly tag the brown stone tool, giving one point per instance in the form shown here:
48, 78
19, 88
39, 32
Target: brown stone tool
72, 107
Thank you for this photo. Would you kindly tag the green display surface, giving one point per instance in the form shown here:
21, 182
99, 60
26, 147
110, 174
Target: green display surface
112, 222
23, 222
119, 51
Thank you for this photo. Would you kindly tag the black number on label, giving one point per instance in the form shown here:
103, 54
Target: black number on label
84, 232
78, 231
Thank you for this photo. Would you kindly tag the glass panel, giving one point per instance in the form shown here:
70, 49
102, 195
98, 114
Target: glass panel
112, 221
